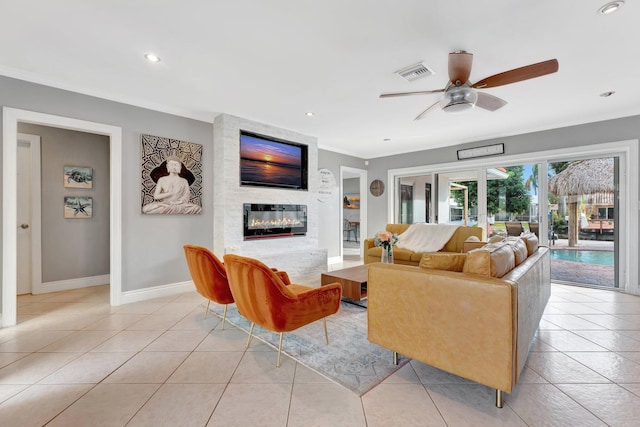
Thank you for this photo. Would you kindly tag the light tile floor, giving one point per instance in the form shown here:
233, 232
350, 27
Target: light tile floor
73, 360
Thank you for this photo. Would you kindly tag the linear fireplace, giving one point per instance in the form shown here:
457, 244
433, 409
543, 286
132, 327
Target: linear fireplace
268, 221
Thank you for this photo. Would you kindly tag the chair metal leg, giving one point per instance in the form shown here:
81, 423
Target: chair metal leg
250, 335
499, 398
224, 316
206, 310
326, 334
279, 350
395, 358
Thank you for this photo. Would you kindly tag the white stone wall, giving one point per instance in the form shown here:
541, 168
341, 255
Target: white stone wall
300, 255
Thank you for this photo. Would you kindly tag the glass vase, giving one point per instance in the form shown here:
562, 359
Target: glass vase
387, 255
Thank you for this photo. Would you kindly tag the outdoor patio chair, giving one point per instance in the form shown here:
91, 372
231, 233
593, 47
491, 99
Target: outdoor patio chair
514, 228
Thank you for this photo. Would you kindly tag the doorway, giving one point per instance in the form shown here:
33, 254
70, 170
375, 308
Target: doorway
11, 118
353, 193
584, 228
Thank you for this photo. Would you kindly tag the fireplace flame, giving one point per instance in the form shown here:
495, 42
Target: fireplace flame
274, 223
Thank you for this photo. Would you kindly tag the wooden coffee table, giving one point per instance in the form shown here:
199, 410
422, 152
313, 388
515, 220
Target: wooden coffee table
353, 281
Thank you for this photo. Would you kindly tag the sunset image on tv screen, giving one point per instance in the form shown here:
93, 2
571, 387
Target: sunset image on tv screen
265, 162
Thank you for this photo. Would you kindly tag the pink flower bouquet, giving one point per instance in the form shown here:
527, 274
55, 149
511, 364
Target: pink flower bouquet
386, 239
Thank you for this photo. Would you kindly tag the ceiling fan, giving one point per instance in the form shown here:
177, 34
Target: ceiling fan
460, 94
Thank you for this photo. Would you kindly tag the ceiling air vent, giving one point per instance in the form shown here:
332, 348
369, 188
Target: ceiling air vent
415, 72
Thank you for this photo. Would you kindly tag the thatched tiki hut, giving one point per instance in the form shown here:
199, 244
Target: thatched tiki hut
581, 178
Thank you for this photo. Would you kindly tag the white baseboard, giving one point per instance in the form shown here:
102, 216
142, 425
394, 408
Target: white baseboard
334, 260
351, 251
157, 292
65, 285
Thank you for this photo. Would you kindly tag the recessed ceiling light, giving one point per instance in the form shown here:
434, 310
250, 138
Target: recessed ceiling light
607, 94
611, 7
310, 114
152, 57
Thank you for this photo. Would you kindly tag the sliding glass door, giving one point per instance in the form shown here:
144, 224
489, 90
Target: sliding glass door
457, 197
413, 203
590, 230
584, 230
512, 200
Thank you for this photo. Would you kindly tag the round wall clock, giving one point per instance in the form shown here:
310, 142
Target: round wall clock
376, 187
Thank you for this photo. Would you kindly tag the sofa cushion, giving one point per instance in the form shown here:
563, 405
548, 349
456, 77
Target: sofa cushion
519, 249
397, 228
531, 240
456, 242
398, 254
443, 261
493, 259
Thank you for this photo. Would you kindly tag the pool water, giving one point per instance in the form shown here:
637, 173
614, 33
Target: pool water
588, 257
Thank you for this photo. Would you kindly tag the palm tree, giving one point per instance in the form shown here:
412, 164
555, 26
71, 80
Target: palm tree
532, 181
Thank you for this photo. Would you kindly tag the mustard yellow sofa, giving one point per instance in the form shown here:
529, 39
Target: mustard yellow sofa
476, 322
373, 253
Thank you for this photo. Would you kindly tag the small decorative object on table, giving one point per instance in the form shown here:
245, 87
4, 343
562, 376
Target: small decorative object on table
386, 240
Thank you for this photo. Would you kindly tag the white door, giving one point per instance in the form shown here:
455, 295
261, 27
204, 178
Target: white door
24, 218
28, 252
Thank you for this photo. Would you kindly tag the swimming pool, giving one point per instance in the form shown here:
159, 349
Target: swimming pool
588, 257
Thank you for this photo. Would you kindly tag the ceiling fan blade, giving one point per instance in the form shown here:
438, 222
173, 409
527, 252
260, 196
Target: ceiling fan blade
427, 111
420, 92
489, 102
460, 67
519, 74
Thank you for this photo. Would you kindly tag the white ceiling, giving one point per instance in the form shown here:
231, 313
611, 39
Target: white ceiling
271, 61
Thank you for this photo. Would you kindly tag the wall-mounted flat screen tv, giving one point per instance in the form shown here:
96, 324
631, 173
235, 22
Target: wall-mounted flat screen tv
271, 162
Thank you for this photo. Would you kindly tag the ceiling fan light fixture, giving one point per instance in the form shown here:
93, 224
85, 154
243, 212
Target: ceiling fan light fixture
458, 99
611, 7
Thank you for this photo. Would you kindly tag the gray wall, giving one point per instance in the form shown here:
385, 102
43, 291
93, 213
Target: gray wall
72, 248
573, 136
152, 244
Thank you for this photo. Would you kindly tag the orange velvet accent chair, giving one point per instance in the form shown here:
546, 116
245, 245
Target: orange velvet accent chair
263, 298
209, 276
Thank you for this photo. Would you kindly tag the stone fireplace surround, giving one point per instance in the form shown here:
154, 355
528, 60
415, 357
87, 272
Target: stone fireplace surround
300, 256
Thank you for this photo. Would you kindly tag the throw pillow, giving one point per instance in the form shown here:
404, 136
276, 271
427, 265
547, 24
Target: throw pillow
493, 259
495, 239
519, 249
531, 240
448, 262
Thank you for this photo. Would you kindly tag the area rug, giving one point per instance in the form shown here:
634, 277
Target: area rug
349, 360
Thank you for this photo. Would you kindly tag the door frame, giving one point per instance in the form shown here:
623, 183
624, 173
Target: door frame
35, 223
627, 150
11, 117
362, 175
